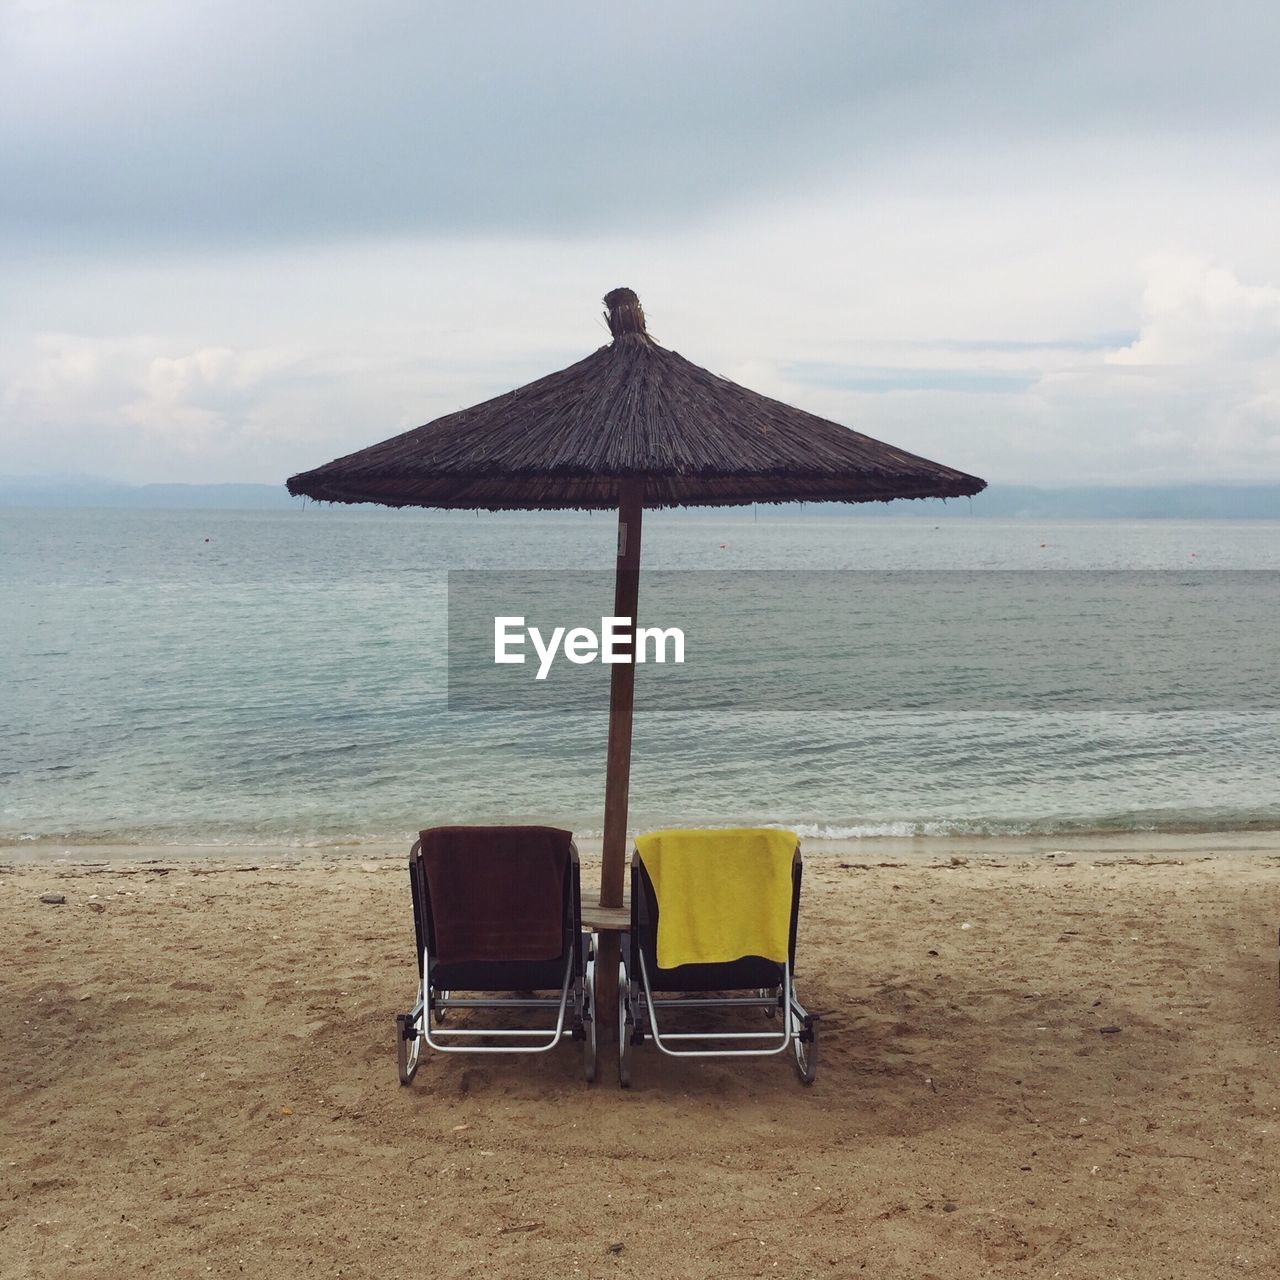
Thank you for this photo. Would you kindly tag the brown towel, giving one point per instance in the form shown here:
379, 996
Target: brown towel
496, 892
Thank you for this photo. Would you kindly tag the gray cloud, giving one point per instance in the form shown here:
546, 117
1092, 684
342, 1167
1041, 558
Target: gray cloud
226, 121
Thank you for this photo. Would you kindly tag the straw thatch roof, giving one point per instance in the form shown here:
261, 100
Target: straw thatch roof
631, 410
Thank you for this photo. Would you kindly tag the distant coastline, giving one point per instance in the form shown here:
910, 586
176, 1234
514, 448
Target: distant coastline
1000, 501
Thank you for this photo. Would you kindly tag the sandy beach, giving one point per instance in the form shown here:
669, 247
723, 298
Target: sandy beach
198, 1079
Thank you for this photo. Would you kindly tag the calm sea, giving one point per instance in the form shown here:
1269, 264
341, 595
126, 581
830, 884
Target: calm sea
282, 679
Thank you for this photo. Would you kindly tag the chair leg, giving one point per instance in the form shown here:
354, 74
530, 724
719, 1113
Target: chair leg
626, 1025
408, 1047
806, 1049
589, 1023
608, 952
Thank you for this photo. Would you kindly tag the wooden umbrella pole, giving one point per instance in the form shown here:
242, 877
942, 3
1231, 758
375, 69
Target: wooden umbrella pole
617, 783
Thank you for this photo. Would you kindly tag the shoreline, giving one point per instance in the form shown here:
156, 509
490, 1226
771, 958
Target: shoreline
913, 850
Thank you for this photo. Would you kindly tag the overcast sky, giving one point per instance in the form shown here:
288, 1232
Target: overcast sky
1037, 241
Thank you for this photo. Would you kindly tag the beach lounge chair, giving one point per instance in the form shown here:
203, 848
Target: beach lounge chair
713, 928
497, 914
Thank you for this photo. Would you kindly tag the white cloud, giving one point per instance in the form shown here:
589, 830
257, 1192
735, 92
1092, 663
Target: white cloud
1194, 396
116, 407
1197, 313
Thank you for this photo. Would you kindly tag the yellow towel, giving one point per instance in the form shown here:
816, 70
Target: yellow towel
721, 895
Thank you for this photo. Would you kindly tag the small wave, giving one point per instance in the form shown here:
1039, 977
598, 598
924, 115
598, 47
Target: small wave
944, 828
871, 830
1119, 824
199, 839
228, 836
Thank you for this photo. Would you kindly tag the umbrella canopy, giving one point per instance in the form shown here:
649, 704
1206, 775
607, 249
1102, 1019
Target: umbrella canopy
631, 426
631, 411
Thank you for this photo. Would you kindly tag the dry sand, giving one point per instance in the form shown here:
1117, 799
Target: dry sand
198, 1078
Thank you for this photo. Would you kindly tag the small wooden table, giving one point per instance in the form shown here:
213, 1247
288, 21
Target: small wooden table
610, 923
598, 919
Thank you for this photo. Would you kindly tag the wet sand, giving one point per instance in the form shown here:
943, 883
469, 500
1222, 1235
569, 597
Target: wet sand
198, 1078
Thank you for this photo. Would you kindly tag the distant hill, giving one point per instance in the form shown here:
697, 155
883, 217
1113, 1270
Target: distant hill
1006, 501
1164, 502
42, 491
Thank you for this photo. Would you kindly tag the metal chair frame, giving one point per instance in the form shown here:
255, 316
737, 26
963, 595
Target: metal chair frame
573, 1006
638, 1016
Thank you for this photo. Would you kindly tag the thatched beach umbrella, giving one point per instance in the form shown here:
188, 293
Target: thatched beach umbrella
632, 426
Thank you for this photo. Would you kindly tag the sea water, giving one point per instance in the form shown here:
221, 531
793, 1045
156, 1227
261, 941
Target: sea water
283, 678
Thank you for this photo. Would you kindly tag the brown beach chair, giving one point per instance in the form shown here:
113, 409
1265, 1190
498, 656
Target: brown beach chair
498, 921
